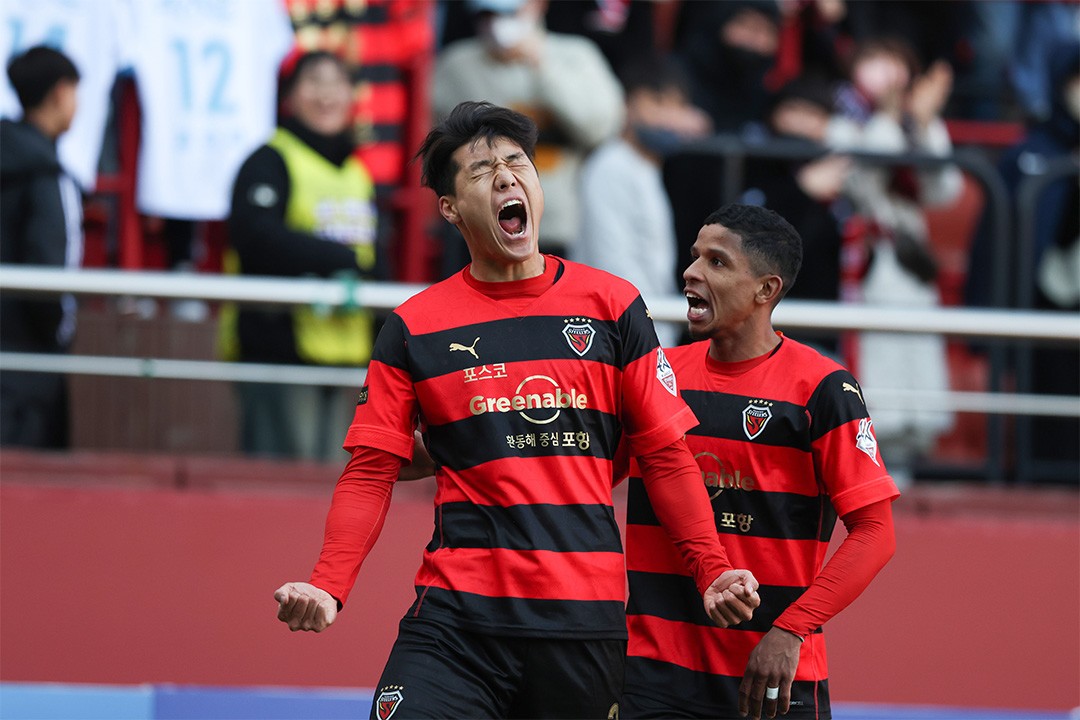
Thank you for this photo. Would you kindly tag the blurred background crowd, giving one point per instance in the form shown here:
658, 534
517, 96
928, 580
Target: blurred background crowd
274, 138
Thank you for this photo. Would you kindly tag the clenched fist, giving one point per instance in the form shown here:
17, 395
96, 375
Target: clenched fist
732, 598
303, 606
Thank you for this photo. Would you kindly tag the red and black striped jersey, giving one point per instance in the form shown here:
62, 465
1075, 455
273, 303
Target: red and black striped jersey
522, 413
784, 445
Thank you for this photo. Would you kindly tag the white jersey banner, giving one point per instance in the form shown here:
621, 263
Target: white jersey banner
206, 73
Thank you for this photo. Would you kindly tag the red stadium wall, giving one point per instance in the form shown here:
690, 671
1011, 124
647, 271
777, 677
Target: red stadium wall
119, 569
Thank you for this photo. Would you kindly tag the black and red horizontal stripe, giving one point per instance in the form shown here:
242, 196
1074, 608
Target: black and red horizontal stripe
675, 598
509, 481
448, 397
792, 562
454, 446
720, 416
525, 540
777, 515
712, 650
512, 340
775, 500
557, 528
519, 616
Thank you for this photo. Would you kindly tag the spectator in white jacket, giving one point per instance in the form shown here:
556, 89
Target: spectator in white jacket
890, 106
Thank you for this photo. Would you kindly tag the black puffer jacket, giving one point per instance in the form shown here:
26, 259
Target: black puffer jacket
33, 231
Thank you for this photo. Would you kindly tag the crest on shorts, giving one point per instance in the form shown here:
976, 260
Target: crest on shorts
866, 441
387, 702
755, 418
579, 334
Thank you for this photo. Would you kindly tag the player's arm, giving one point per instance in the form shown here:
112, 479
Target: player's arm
869, 545
673, 483
357, 512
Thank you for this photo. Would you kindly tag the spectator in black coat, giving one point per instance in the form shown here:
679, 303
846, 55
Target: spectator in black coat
40, 224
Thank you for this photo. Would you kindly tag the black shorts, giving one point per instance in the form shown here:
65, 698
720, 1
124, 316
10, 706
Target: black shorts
436, 671
641, 707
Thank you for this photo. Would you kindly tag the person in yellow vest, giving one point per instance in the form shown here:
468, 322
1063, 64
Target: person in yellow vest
302, 205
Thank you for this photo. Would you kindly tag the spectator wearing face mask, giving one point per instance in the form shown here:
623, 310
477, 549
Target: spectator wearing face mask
562, 82
728, 49
627, 226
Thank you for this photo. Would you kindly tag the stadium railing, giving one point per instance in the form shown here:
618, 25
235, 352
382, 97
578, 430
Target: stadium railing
1009, 327
1011, 272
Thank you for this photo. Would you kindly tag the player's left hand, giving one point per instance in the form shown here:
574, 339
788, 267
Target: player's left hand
772, 664
732, 598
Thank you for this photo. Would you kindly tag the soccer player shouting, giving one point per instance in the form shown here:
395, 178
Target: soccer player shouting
523, 371
785, 445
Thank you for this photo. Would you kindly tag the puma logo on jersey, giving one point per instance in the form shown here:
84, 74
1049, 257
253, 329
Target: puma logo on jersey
471, 349
848, 387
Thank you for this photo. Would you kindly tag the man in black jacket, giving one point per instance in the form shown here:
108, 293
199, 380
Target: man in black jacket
40, 224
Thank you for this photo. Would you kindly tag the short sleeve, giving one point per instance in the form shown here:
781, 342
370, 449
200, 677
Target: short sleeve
845, 448
387, 407
652, 412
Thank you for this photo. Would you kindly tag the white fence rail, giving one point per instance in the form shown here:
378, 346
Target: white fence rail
791, 314
801, 314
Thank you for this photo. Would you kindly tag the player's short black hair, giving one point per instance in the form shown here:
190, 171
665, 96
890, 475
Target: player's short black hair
470, 122
34, 73
771, 243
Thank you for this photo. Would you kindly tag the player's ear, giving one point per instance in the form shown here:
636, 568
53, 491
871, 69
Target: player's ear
448, 209
769, 291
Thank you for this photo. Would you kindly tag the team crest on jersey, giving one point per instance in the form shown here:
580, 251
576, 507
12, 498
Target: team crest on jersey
755, 418
387, 702
579, 334
361, 399
866, 441
665, 374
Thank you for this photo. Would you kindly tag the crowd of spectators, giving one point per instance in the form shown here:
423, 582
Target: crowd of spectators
626, 93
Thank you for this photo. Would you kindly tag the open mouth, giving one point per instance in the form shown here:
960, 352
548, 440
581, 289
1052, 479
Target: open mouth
513, 218
698, 306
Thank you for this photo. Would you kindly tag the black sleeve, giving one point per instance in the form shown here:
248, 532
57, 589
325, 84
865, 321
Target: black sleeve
46, 224
44, 243
257, 227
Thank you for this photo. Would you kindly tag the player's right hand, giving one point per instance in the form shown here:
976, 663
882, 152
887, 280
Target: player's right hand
302, 606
